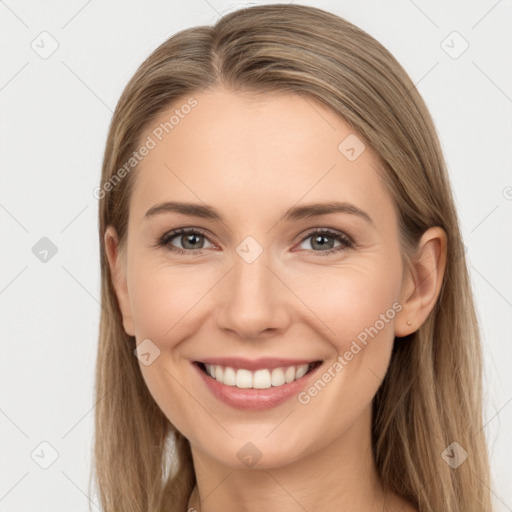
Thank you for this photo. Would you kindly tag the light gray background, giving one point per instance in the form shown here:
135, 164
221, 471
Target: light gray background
54, 119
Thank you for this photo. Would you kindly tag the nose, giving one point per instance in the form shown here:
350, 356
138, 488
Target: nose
253, 301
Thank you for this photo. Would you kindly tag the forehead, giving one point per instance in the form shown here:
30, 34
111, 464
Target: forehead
255, 154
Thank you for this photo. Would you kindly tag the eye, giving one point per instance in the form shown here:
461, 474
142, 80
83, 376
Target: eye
325, 239
193, 239
190, 239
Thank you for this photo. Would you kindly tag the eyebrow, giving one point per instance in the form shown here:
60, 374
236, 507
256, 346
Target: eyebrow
295, 213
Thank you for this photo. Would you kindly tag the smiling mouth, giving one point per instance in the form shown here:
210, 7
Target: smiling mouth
259, 379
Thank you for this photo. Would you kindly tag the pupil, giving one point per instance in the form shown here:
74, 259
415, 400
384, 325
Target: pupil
320, 239
190, 240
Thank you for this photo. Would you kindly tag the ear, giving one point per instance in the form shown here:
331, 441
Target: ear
117, 262
422, 285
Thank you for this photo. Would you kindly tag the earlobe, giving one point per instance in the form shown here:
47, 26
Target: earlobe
424, 281
117, 266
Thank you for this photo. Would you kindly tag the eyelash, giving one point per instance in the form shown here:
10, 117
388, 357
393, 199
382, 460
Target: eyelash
346, 242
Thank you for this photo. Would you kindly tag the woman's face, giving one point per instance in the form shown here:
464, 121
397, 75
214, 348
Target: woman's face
260, 286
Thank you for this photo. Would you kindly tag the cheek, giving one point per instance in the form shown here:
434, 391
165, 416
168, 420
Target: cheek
164, 299
164, 303
354, 301
357, 307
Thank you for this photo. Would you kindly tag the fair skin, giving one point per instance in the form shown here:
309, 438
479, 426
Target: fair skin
252, 158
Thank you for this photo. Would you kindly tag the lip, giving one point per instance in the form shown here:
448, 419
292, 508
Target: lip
255, 399
255, 364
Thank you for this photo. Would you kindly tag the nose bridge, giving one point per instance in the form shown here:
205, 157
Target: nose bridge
254, 299
251, 284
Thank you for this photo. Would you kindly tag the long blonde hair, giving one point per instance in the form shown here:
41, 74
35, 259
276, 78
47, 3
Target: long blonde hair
431, 395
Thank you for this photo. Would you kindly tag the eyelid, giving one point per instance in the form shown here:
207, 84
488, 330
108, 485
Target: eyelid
173, 233
330, 231
345, 240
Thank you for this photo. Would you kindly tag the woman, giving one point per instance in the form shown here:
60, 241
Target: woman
287, 317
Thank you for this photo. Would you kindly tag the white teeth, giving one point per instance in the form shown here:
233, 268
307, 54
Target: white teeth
229, 378
277, 378
289, 374
260, 379
301, 371
243, 379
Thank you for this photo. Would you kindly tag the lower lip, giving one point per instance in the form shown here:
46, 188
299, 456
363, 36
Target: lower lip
254, 399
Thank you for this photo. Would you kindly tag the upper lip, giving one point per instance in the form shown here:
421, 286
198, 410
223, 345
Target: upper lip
256, 364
